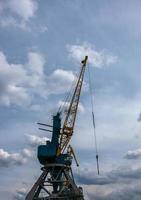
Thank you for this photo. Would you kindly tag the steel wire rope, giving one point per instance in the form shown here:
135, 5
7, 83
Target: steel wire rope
68, 95
93, 118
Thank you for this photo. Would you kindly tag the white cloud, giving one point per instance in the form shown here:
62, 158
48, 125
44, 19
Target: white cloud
15, 77
15, 13
10, 21
11, 79
20, 194
34, 140
133, 154
60, 81
19, 158
64, 75
19, 82
7, 159
27, 153
24, 9
95, 58
36, 63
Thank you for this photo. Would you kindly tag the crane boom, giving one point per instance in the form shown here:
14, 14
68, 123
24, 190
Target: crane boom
68, 126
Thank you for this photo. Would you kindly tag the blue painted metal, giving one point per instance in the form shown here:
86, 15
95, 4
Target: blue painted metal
56, 129
64, 159
47, 153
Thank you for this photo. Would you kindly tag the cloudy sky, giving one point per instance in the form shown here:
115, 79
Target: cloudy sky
41, 46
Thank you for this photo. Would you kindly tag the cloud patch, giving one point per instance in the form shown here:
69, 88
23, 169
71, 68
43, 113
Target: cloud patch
34, 140
120, 175
19, 82
96, 58
16, 78
60, 81
24, 9
122, 183
139, 118
124, 192
133, 154
8, 159
17, 14
20, 194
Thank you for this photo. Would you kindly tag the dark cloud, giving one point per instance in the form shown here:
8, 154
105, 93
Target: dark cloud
120, 184
120, 175
122, 193
139, 118
89, 178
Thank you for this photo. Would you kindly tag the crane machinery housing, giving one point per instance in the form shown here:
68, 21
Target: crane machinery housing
57, 181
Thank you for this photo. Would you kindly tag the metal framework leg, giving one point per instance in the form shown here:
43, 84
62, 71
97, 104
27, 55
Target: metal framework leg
56, 182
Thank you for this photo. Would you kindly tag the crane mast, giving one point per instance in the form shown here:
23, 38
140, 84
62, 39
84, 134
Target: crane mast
69, 121
57, 181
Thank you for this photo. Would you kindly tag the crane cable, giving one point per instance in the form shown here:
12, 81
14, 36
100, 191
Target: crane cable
63, 106
93, 118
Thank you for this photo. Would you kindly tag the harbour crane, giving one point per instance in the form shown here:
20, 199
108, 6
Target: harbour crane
57, 181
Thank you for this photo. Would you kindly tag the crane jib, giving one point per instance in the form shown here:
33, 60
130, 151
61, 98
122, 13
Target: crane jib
72, 110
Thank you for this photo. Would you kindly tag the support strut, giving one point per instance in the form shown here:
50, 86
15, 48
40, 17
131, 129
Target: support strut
56, 182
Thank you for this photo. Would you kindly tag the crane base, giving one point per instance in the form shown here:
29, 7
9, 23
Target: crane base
55, 183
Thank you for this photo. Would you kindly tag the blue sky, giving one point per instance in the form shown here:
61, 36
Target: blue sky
41, 46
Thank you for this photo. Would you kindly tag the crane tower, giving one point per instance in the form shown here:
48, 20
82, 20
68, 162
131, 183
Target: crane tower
57, 181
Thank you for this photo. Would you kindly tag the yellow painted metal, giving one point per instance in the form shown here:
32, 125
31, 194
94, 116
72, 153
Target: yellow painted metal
67, 130
70, 151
